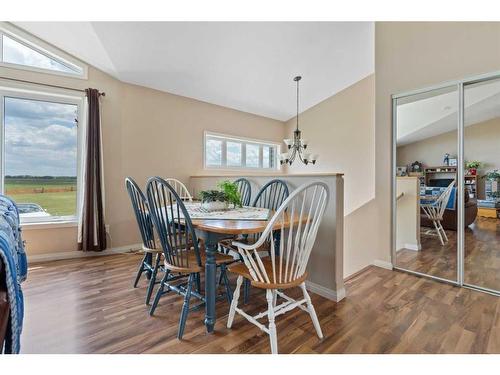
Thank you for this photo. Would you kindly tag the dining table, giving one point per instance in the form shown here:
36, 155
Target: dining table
212, 231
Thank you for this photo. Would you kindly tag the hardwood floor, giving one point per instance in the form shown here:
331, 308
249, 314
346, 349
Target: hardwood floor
89, 306
482, 255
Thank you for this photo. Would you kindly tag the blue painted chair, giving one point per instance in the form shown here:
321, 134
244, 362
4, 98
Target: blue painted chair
143, 218
270, 196
184, 257
245, 190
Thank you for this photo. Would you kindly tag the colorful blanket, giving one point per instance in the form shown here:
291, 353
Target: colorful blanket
14, 258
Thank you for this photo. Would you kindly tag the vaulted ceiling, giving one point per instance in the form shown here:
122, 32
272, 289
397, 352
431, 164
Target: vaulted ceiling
247, 66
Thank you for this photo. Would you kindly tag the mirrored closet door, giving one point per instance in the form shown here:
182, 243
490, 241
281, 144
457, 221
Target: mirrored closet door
425, 161
482, 184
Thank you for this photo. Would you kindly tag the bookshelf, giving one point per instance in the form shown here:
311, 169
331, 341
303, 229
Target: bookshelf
449, 172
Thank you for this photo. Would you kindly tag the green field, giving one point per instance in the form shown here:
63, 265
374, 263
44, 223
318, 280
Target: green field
57, 195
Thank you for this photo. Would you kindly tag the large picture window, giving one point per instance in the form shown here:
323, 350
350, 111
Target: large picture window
40, 154
228, 152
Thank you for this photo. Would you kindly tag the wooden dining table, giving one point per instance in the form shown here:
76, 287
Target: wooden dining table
212, 231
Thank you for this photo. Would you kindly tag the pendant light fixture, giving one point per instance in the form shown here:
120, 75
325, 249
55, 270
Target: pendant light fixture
297, 146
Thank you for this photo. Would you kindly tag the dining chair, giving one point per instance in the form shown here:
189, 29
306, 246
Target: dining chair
297, 220
270, 196
143, 218
183, 257
181, 189
245, 190
435, 211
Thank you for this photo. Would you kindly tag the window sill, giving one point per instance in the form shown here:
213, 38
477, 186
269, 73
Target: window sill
49, 225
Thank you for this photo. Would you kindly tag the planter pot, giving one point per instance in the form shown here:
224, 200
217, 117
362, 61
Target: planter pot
472, 171
215, 206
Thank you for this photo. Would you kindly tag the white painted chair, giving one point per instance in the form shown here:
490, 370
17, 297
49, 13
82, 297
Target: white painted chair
301, 212
435, 210
181, 189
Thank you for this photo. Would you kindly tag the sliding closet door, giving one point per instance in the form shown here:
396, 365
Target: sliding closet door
425, 183
482, 184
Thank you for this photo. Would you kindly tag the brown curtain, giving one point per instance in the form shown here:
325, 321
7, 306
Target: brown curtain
92, 236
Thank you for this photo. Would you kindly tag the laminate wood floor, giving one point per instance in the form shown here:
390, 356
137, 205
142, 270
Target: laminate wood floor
482, 255
89, 306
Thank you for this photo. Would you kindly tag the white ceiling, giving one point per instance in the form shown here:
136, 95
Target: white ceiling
247, 66
436, 112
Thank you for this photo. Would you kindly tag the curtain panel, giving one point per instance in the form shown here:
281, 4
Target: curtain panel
91, 227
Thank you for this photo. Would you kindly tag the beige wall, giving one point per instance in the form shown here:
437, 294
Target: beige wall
145, 133
480, 143
341, 129
412, 55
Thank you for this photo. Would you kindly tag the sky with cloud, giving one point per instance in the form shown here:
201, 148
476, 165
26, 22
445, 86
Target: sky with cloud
40, 138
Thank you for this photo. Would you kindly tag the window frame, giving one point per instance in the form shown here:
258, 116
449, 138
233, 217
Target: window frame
244, 142
54, 96
43, 48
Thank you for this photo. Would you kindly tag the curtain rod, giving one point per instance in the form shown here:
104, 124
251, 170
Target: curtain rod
48, 85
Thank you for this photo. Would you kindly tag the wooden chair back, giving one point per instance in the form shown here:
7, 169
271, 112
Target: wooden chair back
142, 214
245, 190
441, 203
271, 195
298, 220
174, 227
181, 189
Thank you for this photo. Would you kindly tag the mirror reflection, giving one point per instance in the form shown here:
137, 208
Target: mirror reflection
426, 183
482, 157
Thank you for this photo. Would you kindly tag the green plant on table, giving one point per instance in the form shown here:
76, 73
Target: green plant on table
473, 164
230, 189
213, 196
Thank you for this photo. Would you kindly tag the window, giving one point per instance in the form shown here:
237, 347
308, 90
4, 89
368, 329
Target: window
18, 50
230, 152
40, 154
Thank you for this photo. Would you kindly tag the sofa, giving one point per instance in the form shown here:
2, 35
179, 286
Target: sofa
450, 216
4, 306
13, 271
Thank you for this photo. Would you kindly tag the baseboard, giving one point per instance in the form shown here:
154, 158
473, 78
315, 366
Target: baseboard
382, 264
413, 246
80, 254
326, 292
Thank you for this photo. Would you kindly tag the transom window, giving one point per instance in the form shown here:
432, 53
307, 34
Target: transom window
230, 152
40, 154
22, 52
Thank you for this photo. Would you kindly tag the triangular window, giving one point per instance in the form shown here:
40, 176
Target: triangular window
18, 52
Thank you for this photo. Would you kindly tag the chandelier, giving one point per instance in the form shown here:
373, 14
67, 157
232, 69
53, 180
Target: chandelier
297, 146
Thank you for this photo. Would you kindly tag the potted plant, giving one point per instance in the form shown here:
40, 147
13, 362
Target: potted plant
213, 200
219, 200
231, 190
492, 175
472, 167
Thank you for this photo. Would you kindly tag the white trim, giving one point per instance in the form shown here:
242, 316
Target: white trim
49, 225
382, 264
333, 295
412, 246
23, 91
45, 49
81, 254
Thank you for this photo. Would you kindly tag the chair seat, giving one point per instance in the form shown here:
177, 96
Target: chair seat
193, 263
242, 270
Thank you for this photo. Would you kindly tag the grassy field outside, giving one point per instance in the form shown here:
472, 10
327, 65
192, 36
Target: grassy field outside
57, 195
